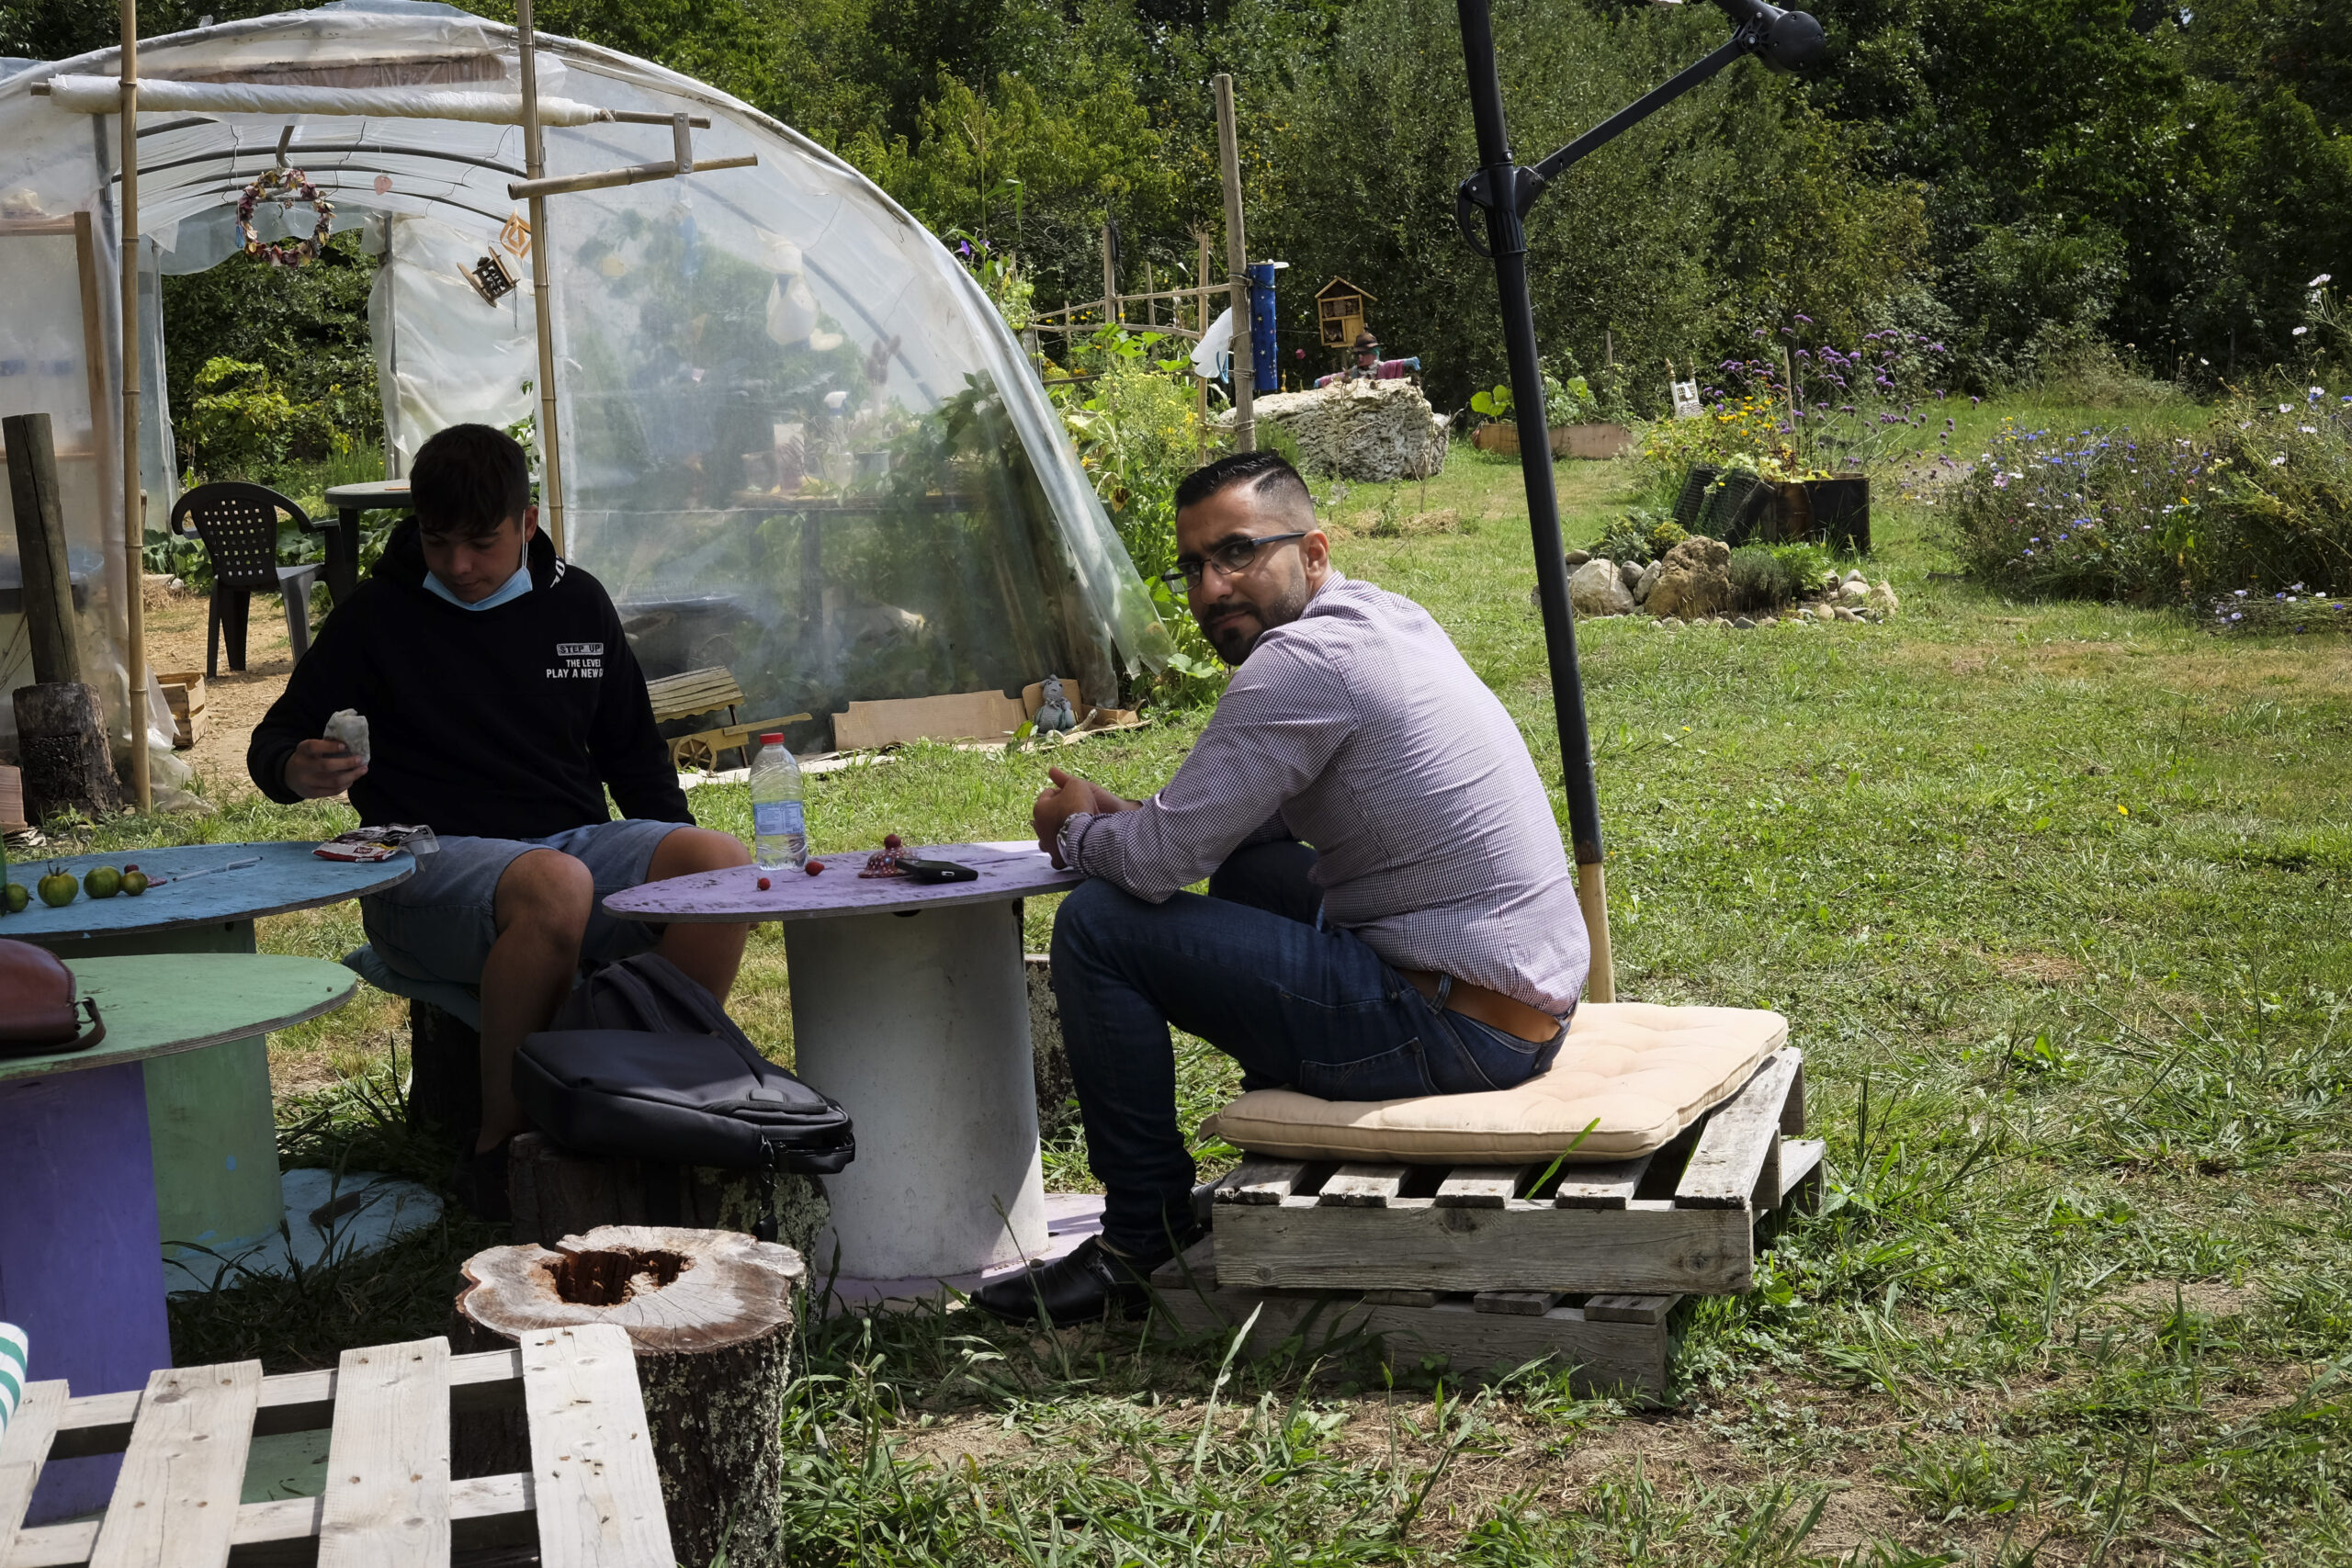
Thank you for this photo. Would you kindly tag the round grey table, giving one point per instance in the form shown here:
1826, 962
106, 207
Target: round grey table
910, 1007
343, 540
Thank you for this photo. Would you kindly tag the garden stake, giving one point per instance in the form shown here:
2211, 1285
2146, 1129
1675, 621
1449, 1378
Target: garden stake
1505, 192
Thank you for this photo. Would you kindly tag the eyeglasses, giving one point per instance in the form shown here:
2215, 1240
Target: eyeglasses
1231, 557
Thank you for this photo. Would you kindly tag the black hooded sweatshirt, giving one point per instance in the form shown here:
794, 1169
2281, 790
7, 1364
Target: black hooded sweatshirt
499, 724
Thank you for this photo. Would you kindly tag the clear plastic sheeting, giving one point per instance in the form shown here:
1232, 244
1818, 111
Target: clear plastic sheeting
798, 441
442, 357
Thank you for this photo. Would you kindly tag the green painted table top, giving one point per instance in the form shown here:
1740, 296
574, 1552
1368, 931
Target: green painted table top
166, 1002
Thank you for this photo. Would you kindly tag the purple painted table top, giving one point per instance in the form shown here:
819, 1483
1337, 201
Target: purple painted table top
1010, 868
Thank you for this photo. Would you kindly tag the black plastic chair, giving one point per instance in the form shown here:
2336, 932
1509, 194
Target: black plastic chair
238, 526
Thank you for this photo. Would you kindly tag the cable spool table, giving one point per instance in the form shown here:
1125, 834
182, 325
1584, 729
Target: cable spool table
208, 1113
910, 1007
79, 1269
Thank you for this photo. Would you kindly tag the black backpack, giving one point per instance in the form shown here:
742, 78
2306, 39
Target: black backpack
640, 1063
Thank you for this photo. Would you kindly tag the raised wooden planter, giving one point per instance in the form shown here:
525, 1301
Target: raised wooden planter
1746, 509
1597, 442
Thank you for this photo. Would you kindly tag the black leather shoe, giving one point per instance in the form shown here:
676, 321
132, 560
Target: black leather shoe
1081, 1287
480, 1183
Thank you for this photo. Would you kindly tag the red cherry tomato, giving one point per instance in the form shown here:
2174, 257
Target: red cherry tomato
764, 884
892, 841
815, 866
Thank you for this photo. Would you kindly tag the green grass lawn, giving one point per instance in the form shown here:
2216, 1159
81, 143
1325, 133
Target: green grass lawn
2055, 898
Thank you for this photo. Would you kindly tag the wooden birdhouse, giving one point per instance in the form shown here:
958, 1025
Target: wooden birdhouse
1339, 308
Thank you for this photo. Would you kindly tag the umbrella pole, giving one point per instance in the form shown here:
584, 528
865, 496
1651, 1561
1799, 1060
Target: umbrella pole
1507, 239
542, 277
134, 519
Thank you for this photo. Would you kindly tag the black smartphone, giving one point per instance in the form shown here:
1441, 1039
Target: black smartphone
936, 871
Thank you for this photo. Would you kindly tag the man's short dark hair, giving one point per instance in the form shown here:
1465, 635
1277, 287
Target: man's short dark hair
1263, 471
468, 479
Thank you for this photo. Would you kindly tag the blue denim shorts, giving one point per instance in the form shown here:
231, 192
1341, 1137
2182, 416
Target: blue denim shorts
439, 924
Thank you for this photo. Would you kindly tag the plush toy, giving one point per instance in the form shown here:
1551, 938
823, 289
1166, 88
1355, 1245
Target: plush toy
1053, 711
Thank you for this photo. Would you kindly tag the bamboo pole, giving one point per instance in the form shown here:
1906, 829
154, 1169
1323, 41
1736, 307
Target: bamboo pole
1237, 264
134, 522
542, 278
1201, 328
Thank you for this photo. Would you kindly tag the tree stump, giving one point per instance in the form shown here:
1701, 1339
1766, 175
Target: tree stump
710, 1315
556, 1193
62, 744
1057, 1094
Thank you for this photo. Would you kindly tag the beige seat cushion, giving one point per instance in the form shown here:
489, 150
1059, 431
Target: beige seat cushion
1643, 1072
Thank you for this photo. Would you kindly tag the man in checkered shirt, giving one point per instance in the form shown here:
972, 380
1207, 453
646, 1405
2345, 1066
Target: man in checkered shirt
1429, 942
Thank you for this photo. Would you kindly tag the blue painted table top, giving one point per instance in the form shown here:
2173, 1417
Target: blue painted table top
170, 1003
287, 877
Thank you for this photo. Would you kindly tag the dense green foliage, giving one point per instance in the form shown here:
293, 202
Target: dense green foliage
2036, 182
308, 388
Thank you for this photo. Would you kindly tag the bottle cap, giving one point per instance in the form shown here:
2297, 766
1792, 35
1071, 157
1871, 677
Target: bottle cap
776, 740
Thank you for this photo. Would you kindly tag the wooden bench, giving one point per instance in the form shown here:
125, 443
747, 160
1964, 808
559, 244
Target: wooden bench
591, 1498
699, 692
1496, 1265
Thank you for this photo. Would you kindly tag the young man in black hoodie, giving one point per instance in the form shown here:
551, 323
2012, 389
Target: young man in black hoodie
502, 701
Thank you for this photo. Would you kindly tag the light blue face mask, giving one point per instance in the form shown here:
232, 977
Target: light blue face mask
514, 588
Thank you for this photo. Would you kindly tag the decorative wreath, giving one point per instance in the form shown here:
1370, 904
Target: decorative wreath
286, 187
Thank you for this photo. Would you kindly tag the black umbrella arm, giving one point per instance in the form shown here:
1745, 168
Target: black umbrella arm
1500, 194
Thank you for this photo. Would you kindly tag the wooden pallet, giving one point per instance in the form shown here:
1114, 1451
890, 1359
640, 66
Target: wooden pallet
1611, 1344
1680, 1222
591, 1496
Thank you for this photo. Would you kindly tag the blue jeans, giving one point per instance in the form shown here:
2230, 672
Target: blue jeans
1250, 970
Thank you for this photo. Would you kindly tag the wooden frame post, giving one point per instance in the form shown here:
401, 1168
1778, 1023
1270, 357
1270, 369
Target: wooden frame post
134, 519
542, 279
1237, 264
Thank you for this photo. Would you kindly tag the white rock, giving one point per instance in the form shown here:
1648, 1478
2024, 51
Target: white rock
1597, 588
1847, 614
1855, 576
1854, 590
1647, 580
1882, 599
1631, 571
1668, 624
1743, 625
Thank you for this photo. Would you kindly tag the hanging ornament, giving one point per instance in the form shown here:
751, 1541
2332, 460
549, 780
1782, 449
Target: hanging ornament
490, 278
284, 187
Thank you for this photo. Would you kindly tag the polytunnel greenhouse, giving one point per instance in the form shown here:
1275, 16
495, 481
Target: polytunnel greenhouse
794, 437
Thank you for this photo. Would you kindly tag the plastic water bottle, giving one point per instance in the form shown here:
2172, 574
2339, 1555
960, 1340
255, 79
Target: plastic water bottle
779, 819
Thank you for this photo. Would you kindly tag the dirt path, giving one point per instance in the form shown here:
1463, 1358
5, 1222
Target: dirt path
176, 639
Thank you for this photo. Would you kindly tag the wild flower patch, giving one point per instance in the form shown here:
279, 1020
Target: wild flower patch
2261, 501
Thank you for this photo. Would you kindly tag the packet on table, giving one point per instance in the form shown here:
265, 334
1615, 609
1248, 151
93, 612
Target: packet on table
370, 844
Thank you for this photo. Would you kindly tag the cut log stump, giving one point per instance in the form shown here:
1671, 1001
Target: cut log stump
709, 1314
62, 737
556, 1193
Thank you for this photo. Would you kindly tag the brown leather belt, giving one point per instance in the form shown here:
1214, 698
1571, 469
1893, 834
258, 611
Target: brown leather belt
1492, 1009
